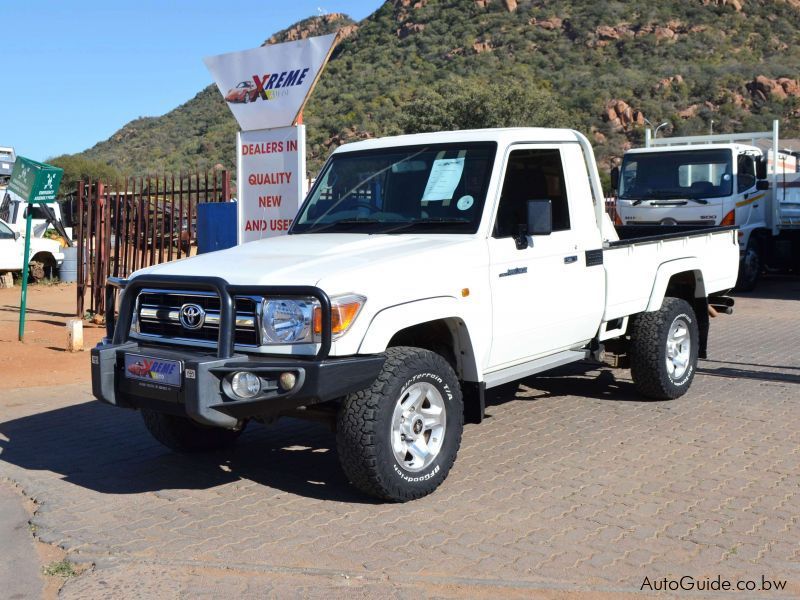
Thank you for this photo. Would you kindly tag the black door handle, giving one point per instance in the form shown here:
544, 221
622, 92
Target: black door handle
570, 259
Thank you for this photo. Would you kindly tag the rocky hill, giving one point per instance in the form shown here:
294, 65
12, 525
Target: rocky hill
607, 66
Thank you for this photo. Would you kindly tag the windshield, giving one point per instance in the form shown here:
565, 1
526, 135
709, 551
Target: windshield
680, 174
438, 188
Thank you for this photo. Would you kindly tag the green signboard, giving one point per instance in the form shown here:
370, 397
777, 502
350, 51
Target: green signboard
35, 182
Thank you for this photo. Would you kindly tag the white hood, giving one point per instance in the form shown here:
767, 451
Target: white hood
346, 258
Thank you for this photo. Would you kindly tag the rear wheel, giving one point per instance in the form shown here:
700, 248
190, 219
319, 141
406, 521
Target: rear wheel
398, 439
184, 435
41, 267
664, 346
750, 267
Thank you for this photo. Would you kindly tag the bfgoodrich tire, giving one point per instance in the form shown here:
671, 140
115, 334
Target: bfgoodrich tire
664, 346
398, 439
184, 435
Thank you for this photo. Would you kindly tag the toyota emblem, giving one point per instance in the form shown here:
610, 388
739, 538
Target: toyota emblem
192, 316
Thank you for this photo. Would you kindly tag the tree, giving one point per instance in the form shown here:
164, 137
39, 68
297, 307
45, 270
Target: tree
77, 168
470, 103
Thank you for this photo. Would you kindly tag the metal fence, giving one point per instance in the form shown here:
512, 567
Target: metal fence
135, 223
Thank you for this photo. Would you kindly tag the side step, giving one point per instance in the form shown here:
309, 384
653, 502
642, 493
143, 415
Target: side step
535, 366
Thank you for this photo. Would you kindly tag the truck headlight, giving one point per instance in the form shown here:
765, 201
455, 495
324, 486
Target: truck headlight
287, 320
344, 310
299, 320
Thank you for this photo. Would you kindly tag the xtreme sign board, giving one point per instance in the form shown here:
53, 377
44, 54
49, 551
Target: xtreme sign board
35, 182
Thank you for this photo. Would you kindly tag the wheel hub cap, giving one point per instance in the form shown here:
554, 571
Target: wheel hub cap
679, 348
418, 426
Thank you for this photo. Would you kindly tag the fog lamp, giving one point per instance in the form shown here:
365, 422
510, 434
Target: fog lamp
287, 381
245, 384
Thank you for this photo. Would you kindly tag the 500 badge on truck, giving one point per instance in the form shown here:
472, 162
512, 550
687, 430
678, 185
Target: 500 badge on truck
420, 271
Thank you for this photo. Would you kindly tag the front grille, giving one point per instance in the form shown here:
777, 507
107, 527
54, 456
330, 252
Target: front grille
158, 314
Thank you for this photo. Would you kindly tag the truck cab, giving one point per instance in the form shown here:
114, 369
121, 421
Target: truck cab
691, 186
14, 211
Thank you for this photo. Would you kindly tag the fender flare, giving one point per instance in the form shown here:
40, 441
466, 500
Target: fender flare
386, 323
665, 273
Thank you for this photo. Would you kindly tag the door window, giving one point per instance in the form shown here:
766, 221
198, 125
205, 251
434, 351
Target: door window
5, 232
532, 174
747, 173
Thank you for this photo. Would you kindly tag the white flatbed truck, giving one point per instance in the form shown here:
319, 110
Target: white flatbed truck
420, 271
713, 180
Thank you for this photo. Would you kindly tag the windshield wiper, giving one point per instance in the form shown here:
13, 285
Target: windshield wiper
393, 225
428, 221
352, 221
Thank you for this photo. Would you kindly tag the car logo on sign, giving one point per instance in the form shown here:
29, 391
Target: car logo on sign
192, 316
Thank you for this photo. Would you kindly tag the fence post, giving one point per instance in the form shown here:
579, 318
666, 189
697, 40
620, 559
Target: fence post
226, 186
90, 233
81, 288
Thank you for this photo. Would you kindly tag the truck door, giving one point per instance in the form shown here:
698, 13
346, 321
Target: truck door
544, 297
10, 250
750, 206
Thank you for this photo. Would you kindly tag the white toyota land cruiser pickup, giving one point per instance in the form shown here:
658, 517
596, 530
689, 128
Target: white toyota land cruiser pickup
419, 271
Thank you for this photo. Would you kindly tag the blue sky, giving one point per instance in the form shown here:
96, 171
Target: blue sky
74, 72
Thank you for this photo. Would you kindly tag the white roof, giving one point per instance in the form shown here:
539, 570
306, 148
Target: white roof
509, 135
691, 147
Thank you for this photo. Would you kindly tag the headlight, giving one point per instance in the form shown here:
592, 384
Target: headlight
287, 321
299, 320
344, 310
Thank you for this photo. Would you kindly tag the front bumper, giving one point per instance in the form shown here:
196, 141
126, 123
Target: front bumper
201, 394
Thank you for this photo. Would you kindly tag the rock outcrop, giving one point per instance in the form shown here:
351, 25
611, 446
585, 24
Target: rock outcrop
315, 26
350, 134
607, 34
481, 46
550, 24
763, 88
621, 116
737, 5
409, 28
511, 5
668, 83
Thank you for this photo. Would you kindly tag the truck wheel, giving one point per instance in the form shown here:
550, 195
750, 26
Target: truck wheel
36, 269
42, 265
664, 348
398, 439
184, 435
750, 267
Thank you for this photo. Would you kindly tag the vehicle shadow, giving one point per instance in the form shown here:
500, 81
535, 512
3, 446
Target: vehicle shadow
586, 379
774, 287
35, 311
735, 373
108, 450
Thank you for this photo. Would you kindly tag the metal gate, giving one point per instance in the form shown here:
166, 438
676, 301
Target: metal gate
135, 223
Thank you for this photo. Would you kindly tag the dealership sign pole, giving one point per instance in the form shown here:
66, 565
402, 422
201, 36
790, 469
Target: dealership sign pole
35, 183
266, 89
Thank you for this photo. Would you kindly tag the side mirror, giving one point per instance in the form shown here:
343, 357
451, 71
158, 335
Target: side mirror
761, 167
615, 178
17, 235
762, 184
539, 221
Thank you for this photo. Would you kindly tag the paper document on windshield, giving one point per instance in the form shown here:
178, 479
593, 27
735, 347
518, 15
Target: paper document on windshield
444, 177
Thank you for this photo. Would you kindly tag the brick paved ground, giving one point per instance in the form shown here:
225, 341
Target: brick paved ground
572, 484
